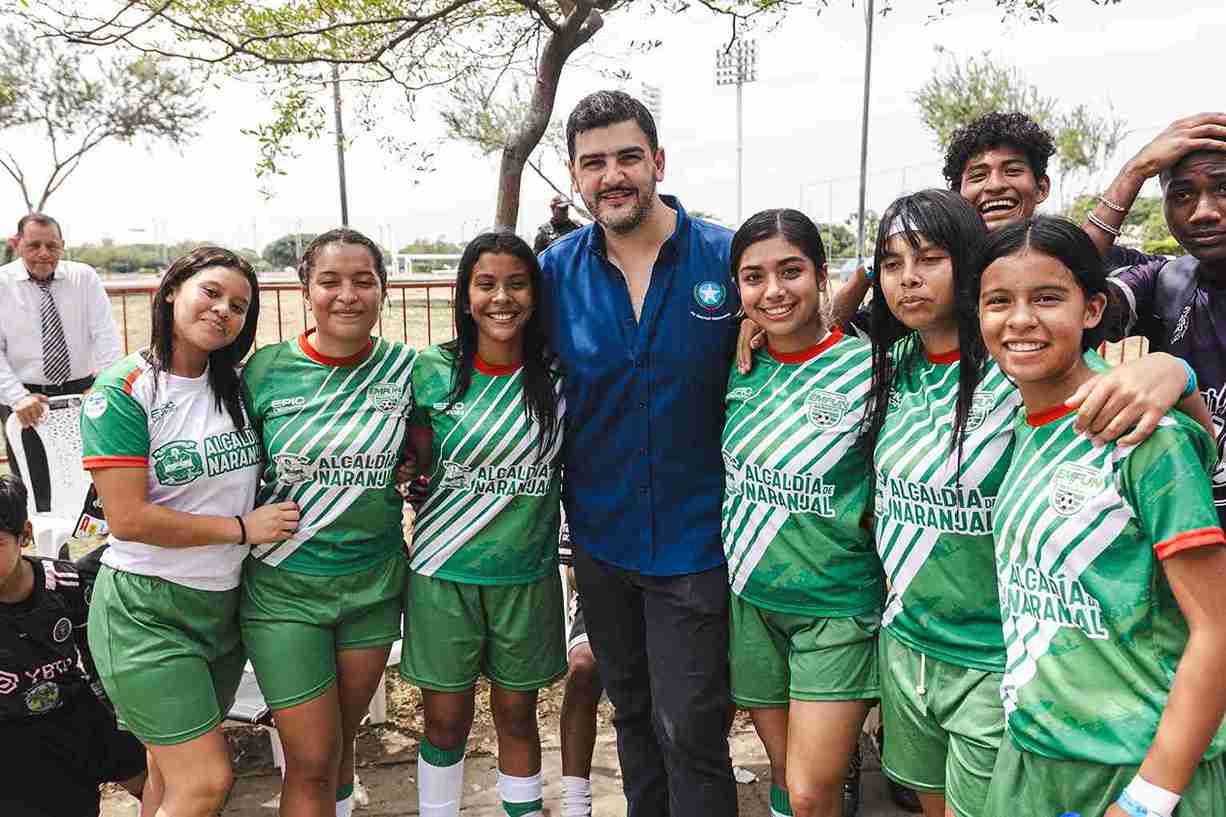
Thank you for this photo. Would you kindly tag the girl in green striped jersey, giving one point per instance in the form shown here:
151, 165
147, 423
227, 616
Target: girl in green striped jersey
806, 584
488, 431
321, 609
1110, 562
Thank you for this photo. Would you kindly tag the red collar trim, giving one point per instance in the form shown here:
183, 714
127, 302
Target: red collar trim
833, 337
944, 359
1040, 418
494, 370
316, 356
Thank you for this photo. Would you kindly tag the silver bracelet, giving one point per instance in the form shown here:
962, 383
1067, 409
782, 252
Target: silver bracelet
1102, 225
1112, 205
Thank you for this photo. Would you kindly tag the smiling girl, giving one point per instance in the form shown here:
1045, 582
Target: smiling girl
176, 462
488, 430
806, 584
1110, 565
321, 609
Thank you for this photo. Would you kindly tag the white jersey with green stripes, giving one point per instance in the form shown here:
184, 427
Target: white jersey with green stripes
491, 512
1092, 629
196, 461
334, 431
934, 521
798, 484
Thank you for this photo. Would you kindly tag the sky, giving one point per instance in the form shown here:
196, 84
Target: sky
1151, 61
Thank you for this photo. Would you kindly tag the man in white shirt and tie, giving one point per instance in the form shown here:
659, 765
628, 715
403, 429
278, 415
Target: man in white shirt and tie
57, 331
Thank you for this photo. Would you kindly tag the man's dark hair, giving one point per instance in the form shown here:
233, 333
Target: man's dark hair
13, 511
1014, 130
38, 218
605, 108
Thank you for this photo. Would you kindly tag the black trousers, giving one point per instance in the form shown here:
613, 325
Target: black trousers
39, 481
661, 645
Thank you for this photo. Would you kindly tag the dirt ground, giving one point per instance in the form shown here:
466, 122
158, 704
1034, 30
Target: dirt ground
387, 757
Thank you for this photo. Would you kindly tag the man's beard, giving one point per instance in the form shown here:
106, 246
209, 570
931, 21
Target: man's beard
629, 222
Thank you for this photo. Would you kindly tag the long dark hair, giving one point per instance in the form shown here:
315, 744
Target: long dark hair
795, 227
950, 222
1053, 236
222, 374
540, 377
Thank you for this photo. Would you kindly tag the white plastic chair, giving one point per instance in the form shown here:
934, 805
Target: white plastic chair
59, 430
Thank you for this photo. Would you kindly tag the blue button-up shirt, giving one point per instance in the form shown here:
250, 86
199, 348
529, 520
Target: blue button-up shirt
644, 478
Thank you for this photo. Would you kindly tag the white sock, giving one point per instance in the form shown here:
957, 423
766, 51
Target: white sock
344, 808
439, 788
521, 796
576, 796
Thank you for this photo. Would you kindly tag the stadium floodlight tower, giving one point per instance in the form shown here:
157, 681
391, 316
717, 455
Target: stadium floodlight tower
737, 65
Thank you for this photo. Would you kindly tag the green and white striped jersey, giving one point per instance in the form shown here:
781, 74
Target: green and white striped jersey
934, 522
334, 431
797, 484
1092, 630
491, 513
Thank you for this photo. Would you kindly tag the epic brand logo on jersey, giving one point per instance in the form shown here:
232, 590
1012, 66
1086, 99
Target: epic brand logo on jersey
231, 451
1028, 592
287, 405
800, 493
163, 411
825, 408
389, 398
178, 463
981, 407
741, 393
501, 480
454, 411
1072, 486
950, 510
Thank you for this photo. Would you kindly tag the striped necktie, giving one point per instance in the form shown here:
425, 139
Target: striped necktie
56, 365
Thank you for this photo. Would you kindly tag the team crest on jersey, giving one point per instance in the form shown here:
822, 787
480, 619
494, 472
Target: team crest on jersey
178, 463
825, 408
981, 407
44, 697
8, 682
733, 474
293, 468
455, 475
61, 631
710, 295
1072, 486
387, 397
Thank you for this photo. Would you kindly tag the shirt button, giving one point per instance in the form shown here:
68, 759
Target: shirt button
642, 404
642, 452
643, 489
638, 364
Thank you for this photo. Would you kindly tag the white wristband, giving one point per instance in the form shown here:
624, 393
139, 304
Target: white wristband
1157, 800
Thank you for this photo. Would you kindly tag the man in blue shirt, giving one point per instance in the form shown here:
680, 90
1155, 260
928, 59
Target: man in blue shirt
641, 314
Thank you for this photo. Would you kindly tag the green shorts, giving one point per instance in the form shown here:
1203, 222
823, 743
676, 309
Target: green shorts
169, 656
1026, 783
778, 657
294, 623
513, 633
946, 739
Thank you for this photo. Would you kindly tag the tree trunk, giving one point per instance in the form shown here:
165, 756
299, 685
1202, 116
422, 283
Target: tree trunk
581, 24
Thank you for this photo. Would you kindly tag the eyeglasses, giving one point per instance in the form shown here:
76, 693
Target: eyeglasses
50, 246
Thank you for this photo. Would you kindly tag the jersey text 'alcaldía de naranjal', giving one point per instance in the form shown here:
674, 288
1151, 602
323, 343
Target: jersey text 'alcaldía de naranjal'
934, 522
334, 431
491, 514
1093, 632
797, 483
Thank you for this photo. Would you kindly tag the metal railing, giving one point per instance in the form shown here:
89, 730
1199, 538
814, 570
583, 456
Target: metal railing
415, 312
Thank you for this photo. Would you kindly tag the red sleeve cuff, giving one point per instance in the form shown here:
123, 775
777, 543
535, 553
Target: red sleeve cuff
1189, 539
90, 463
